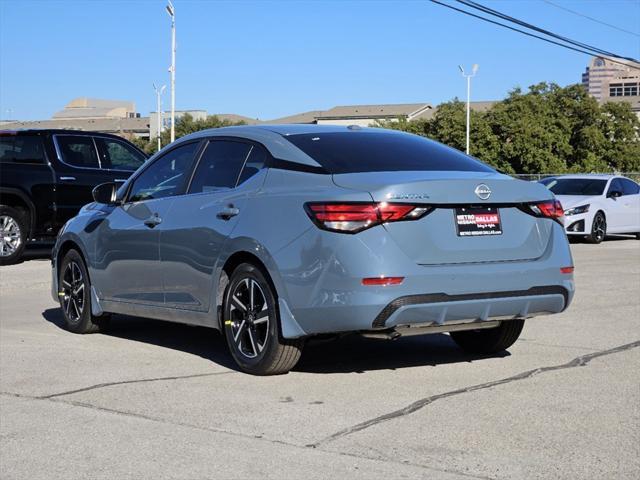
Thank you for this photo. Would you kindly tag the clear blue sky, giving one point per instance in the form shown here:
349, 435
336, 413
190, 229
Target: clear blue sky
266, 59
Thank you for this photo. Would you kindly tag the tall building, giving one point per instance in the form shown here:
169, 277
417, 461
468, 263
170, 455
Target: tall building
613, 81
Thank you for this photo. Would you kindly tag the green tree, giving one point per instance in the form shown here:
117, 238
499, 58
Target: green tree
620, 128
448, 126
532, 138
547, 129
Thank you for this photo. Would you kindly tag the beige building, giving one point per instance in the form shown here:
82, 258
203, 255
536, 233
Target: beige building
108, 116
613, 80
83, 107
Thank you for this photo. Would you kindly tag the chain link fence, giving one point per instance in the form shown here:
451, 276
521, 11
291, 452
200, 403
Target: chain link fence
534, 177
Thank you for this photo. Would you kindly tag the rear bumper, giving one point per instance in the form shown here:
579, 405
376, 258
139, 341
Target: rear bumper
323, 290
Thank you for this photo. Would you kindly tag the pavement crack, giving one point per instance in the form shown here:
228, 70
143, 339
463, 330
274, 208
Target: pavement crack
580, 361
261, 438
126, 382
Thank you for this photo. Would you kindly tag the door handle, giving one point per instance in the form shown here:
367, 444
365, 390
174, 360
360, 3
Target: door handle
228, 212
67, 179
153, 221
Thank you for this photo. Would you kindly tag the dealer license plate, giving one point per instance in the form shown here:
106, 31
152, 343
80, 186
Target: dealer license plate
477, 221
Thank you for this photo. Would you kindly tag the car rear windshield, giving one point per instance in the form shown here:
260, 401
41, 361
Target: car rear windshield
575, 186
382, 151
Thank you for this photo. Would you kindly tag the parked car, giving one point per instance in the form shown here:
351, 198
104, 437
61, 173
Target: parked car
275, 234
595, 205
47, 175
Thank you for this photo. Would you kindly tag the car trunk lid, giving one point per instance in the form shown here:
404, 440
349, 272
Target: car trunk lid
435, 238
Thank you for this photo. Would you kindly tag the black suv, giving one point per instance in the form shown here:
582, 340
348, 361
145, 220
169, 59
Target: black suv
46, 176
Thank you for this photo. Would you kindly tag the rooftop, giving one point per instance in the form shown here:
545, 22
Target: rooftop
84, 107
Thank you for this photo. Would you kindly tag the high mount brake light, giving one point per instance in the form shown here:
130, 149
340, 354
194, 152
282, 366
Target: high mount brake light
549, 209
357, 216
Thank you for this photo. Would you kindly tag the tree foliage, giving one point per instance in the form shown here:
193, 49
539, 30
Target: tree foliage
548, 129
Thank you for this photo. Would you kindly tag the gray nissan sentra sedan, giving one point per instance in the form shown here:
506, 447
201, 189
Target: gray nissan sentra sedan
275, 234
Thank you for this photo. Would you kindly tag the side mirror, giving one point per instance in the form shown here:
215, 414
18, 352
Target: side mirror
105, 193
615, 194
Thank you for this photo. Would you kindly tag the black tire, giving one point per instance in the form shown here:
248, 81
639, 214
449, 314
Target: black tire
637, 236
74, 294
252, 327
13, 233
598, 229
491, 340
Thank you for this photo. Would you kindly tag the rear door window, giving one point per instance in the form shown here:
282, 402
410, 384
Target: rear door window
220, 166
117, 155
382, 151
629, 187
21, 149
78, 151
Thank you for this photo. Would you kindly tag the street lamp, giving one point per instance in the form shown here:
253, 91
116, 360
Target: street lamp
159, 92
172, 69
474, 69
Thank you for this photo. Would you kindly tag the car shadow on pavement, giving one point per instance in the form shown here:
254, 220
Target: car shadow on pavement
608, 238
36, 253
203, 342
357, 354
348, 354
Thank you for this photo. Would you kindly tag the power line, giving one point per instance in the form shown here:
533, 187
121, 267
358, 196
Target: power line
591, 18
529, 34
495, 13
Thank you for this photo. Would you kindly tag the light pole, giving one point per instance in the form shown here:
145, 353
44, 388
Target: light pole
159, 92
172, 69
474, 69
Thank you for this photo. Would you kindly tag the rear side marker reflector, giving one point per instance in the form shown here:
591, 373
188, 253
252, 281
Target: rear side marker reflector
353, 217
382, 281
566, 270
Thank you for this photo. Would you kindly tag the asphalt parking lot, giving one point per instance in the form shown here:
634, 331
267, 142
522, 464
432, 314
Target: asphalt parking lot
158, 400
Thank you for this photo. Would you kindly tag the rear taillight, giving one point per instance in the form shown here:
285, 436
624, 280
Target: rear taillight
357, 216
549, 209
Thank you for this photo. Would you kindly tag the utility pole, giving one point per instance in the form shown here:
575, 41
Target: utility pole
474, 69
172, 69
159, 92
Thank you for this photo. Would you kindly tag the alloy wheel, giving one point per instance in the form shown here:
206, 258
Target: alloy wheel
249, 320
10, 236
599, 228
73, 286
